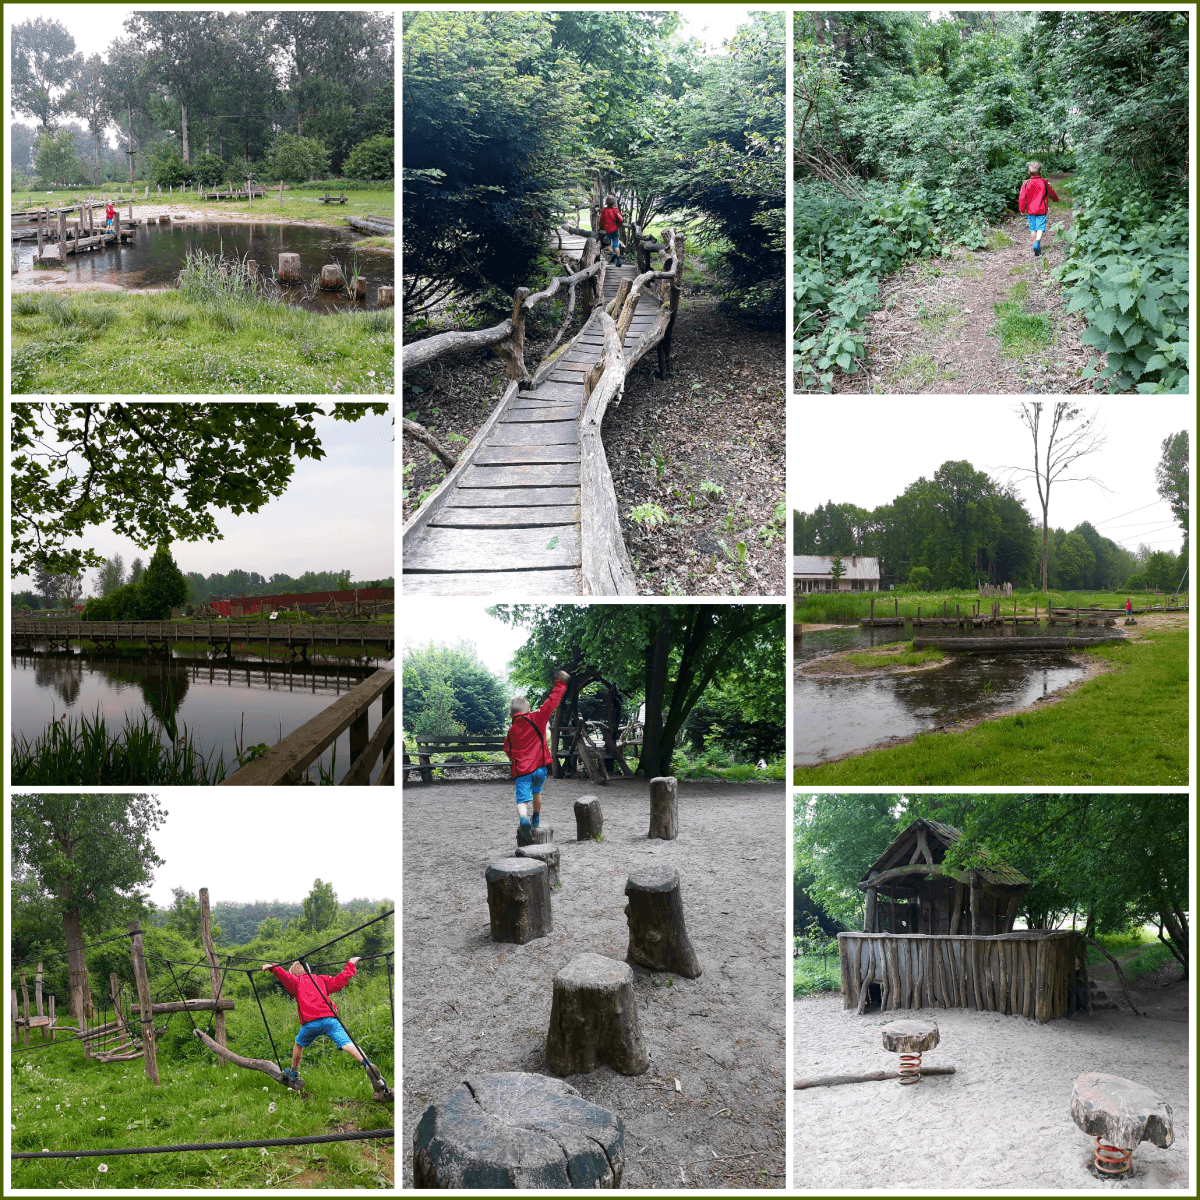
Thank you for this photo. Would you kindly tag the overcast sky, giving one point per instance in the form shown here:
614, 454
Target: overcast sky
713, 24
446, 622
337, 513
867, 454
272, 849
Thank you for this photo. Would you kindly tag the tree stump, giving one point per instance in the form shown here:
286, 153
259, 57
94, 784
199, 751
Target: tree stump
332, 279
589, 820
252, 268
1119, 1114
658, 937
593, 1019
358, 287
289, 268
664, 807
545, 854
518, 900
543, 835
385, 297
524, 834
909, 1039
511, 1130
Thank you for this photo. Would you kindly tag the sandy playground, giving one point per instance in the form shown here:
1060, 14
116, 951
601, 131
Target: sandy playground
1003, 1121
473, 1005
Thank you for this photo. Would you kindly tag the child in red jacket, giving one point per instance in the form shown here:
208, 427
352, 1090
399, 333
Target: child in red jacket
1032, 202
318, 1013
525, 745
610, 229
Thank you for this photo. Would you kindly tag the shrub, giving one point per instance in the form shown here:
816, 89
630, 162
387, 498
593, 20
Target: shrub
208, 169
166, 166
295, 159
374, 158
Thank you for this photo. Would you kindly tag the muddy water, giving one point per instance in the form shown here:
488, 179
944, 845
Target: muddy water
158, 253
222, 703
837, 716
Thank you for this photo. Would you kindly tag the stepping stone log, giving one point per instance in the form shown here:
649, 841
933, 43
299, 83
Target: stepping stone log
332, 279
658, 937
909, 1039
518, 900
514, 1130
664, 807
385, 297
543, 835
1119, 1114
289, 267
593, 1019
589, 820
544, 854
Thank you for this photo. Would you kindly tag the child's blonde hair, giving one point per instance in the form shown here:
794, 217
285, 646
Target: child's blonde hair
1035, 168
518, 705
610, 200
297, 968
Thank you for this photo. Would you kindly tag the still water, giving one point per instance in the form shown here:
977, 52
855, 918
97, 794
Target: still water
222, 703
156, 256
832, 717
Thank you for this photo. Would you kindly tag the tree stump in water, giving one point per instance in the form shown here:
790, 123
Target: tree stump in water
358, 287
385, 297
518, 900
658, 937
593, 1019
544, 854
252, 268
511, 1130
664, 807
289, 268
589, 820
909, 1039
1119, 1114
332, 279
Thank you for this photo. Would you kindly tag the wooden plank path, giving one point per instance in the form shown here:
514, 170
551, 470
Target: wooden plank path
512, 520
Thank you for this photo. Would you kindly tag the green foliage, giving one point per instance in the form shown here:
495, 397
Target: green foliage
162, 586
372, 159
320, 907
447, 689
166, 167
208, 169
295, 159
57, 161
648, 515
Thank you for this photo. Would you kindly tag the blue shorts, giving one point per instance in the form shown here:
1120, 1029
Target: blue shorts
530, 785
1036, 223
329, 1027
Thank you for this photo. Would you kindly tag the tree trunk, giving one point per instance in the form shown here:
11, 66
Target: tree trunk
251, 1064
131, 144
77, 972
656, 757
214, 968
186, 152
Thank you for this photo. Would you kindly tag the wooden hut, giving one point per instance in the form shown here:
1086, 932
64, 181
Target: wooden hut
936, 938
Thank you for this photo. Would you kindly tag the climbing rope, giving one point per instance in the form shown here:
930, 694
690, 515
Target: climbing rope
265, 1142
182, 998
20, 962
391, 1002
266, 1024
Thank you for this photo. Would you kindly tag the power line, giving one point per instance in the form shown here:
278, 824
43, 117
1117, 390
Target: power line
1097, 524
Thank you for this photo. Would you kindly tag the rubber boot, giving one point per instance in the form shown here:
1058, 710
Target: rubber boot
381, 1092
524, 834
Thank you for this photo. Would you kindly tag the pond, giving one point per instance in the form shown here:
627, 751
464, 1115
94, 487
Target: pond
223, 703
158, 253
832, 717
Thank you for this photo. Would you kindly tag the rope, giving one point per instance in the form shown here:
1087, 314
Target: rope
182, 998
20, 962
391, 1002
275, 1052
293, 1141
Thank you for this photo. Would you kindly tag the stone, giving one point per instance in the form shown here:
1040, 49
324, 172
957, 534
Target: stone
546, 854
332, 279
512, 1130
1120, 1111
910, 1037
593, 1019
518, 900
664, 807
289, 268
658, 937
589, 820
385, 297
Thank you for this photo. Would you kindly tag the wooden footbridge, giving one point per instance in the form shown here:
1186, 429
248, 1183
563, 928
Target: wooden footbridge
529, 505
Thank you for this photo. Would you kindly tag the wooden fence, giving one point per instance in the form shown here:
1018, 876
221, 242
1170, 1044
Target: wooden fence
1034, 973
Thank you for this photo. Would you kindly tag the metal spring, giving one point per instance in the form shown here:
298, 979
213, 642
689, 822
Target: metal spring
1112, 1160
910, 1067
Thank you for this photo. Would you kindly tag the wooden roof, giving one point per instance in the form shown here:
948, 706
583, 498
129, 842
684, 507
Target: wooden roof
939, 837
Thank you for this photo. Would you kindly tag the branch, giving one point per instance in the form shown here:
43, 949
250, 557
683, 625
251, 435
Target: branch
1120, 974
251, 1064
421, 434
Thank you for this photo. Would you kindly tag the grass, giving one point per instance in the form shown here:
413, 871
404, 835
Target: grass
1021, 334
970, 271
934, 320
998, 240
920, 370
906, 658
816, 973
1127, 727
61, 1101
1137, 952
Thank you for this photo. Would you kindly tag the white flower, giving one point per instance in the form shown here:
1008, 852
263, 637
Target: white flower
270, 1109
263, 1151
103, 1107
100, 1118
102, 1168
266, 1089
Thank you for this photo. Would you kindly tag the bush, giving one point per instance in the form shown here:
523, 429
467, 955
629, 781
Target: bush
374, 158
166, 165
295, 159
208, 169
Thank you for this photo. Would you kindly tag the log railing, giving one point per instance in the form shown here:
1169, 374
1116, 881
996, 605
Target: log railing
223, 632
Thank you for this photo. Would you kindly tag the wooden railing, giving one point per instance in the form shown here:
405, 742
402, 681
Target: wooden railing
286, 761
222, 632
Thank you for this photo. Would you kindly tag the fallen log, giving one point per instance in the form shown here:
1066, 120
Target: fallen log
833, 1080
203, 1004
1014, 645
420, 434
251, 1064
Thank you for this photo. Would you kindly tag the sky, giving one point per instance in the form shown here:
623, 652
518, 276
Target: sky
336, 513
712, 23
273, 848
862, 455
447, 622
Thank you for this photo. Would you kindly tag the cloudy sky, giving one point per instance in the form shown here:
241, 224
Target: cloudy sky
868, 453
447, 622
337, 513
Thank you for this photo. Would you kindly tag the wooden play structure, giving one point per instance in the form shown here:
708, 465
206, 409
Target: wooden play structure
939, 938
23, 1023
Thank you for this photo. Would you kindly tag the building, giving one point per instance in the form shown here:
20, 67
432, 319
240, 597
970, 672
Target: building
814, 573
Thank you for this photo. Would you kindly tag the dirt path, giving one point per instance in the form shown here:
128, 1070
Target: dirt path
937, 330
473, 1005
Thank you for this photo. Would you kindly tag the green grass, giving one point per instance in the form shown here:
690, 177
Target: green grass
970, 271
1154, 956
998, 240
738, 773
907, 658
935, 320
61, 1101
919, 370
1127, 727
1138, 952
1021, 333
814, 973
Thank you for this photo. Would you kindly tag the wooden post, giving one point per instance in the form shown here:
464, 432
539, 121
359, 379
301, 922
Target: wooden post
281, 193
896, 609
37, 993
62, 235
870, 915
872, 610
214, 969
25, 1000
39, 235
975, 903
146, 1015
116, 227
16, 1017
52, 1018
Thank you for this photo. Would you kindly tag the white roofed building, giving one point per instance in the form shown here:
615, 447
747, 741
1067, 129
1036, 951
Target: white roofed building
814, 573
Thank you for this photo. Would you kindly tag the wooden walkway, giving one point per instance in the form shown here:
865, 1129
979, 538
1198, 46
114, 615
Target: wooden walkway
510, 519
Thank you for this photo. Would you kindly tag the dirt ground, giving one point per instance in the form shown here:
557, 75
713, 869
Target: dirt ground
473, 1005
1003, 1121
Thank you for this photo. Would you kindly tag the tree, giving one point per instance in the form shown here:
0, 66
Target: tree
184, 917
162, 587
837, 570
320, 907
269, 928
1070, 437
57, 161
296, 159
156, 472
89, 99
125, 85
374, 158
449, 686
1172, 477
43, 63
91, 853
111, 575
136, 570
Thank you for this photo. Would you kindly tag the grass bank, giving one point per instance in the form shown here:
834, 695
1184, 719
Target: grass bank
1125, 727
816, 973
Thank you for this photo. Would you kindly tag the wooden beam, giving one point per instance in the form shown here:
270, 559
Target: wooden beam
143, 986
834, 1080
203, 1004
215, 975
251, 1064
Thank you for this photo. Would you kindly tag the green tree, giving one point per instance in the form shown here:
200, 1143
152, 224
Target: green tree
447, 690
209, 169
374, 158
184, 917
57, 161
163, 586
136, 570
89, 99
269, 929
43, 63
1172, 478
837, 570
296, 159
320, 907
111, 575
91, 853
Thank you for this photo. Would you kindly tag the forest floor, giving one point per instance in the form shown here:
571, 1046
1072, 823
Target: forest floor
979, 322
706, 445
709, 1112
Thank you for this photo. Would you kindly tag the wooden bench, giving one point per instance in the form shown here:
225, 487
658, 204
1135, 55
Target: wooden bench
328, 199
453, 744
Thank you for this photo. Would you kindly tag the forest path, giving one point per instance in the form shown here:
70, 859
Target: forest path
937, 330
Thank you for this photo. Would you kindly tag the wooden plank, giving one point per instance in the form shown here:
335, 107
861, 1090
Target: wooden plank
507, 518
536, 433
491, 456
557, 412
531, 497
542, 393
550, 475
440, 549
525, 584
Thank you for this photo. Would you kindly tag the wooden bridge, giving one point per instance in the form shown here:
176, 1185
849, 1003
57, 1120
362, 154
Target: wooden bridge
529, 505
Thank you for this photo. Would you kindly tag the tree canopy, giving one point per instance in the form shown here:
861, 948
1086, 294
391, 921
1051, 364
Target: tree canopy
447, 689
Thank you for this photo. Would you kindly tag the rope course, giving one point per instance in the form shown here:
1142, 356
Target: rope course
21, 962
312, 1139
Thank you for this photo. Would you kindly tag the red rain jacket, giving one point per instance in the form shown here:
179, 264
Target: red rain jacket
109, 213
610, 219
311, 993
525, 743
1032, 200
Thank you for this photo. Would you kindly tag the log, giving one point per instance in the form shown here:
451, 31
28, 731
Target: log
420, 434
664, 808
658, 938
548, 854
589, 820
251, 1064
289, 268
331, 278
593, 1019
216, 978
203, 1004
518, 891
143, 987
385, 296
869, 1077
